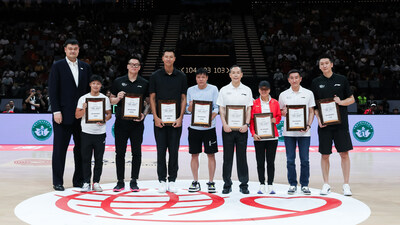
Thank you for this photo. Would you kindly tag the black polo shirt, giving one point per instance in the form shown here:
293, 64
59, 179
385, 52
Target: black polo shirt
168, 87
338, 85
139, 86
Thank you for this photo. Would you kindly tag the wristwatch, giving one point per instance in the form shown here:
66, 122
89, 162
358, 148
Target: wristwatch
248, 125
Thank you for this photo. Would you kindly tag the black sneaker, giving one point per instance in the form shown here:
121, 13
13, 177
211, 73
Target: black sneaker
119, 187
227, 190
244, 190
134, 186
194, 187
211, 187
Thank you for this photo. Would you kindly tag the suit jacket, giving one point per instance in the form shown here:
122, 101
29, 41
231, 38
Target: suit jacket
275, 110
63, 92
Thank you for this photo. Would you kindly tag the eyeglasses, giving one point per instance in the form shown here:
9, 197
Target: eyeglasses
134, 64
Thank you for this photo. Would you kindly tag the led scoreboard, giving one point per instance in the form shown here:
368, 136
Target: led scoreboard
217, 67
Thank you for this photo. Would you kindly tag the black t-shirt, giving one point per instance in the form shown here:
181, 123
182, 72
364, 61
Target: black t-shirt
30, 108
338, 85
168, 87
139, 86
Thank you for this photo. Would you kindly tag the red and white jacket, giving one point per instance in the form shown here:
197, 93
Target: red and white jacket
275, 110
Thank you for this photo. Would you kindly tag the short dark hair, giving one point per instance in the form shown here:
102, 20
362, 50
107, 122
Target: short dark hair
134, 56
71, 41
96, 77
201, 71
234, 67
168, 49
293, 71
325, 56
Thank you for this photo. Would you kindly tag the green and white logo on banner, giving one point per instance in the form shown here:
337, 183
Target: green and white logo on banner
279, 126
42, 130
363, 131
112, 130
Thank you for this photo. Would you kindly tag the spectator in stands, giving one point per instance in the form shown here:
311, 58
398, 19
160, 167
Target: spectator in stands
32, 102
371, 110
395, 111
7, 109
362, 102
12, 107
380, 109
7, 83
367, 50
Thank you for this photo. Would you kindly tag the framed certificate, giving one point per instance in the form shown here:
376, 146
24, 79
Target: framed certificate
96, 110
167, 111
296, 118
202, 113
132, 106
235, 116
328, 111
263, 125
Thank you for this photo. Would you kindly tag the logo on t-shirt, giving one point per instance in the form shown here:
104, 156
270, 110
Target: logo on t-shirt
321, 85
41, 130
363, 131
337, 85
124, 84
279, 126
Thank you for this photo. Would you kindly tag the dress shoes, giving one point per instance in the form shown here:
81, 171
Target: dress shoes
244, 190
58, 187
227, 190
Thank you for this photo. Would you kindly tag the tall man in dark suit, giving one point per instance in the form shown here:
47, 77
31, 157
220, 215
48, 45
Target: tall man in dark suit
69, 79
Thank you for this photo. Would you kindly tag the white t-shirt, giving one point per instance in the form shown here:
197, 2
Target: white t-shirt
92, 128
302, 97
229, 95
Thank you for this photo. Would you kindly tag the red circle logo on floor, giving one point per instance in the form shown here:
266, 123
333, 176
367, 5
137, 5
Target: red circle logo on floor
150, 207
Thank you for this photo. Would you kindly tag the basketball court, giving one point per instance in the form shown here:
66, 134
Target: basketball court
27, 194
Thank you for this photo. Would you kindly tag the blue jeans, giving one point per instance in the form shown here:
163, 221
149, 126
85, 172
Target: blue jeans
304, 144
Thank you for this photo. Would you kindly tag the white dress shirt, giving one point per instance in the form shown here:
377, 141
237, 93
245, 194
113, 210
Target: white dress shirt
74, 69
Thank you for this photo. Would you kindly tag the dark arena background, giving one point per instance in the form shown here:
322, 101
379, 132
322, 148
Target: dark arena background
266, 38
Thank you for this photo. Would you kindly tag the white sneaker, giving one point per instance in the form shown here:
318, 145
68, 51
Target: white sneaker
271, 189
305, 190
163, 187
85, 187
347, 190
262, 189
292, 190
326, 189
97, 188
171, 187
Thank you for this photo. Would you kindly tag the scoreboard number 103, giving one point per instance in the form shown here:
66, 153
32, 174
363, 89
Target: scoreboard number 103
214, 70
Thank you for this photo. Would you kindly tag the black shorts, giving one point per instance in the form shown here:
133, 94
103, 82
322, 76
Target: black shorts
198, 137
339, 135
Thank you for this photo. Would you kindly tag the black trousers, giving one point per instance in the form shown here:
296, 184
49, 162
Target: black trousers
266, 150
92, 143
167, 137
230, 141
124, 130
62, 136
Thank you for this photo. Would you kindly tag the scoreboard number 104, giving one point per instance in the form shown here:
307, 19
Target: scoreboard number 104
215, 70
